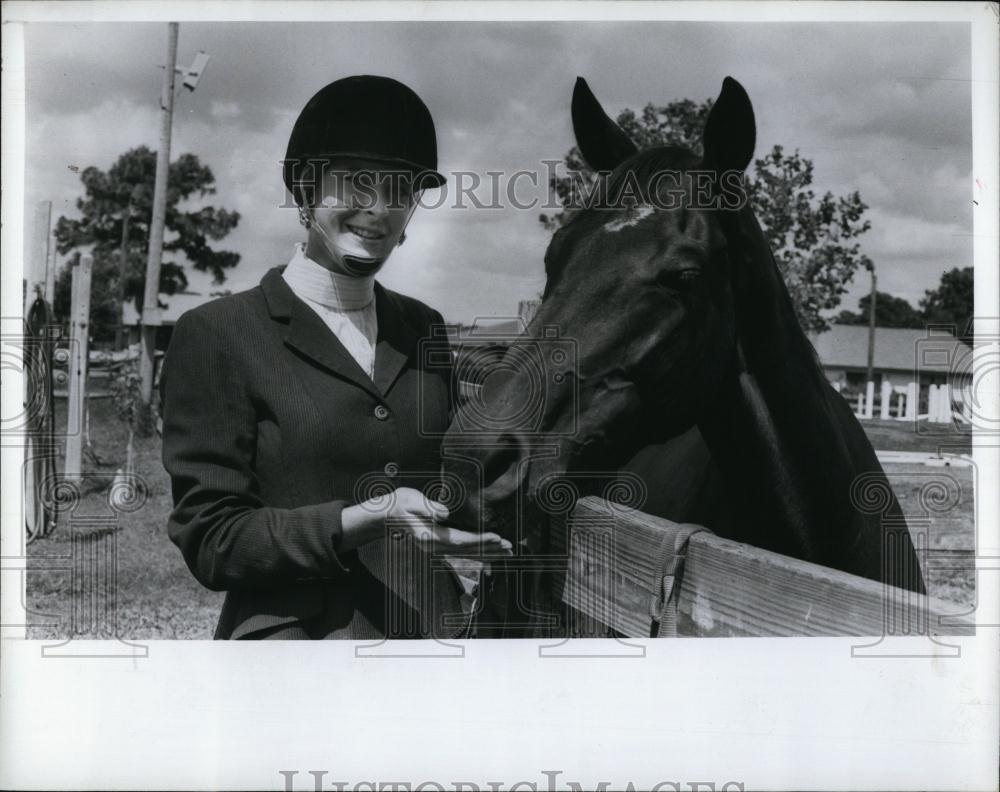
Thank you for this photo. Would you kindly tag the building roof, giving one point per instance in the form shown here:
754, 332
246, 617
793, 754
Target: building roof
176, 305
896, 349
486, 332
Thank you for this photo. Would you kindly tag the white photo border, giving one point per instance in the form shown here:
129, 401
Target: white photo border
762, 713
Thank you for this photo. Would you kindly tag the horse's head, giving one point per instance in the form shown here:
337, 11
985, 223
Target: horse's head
637, 320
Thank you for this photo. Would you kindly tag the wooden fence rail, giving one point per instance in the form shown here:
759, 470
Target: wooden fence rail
615, 584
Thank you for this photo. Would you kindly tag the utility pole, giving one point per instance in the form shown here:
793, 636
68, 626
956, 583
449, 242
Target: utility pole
150, 308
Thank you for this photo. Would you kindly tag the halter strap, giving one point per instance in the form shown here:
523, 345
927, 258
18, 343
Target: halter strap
670, 558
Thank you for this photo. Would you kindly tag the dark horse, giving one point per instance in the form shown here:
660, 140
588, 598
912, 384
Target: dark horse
683, 329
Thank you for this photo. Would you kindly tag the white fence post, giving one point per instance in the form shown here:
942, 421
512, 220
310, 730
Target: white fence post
912, 401
79, 352
886, 399
870, 400
944, 404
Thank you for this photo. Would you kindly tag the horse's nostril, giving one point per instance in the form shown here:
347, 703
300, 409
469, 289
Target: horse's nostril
680, 278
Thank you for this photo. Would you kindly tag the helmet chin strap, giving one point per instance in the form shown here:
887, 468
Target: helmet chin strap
357, 266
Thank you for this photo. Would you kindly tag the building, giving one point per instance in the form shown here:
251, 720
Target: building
902, 355
914, 371
907, 362
177, 304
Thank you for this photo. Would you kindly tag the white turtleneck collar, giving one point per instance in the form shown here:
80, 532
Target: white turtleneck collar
329, 289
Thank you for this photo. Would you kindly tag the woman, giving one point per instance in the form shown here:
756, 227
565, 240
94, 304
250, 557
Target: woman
290, 410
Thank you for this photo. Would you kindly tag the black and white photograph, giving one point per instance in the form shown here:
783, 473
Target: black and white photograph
496, 342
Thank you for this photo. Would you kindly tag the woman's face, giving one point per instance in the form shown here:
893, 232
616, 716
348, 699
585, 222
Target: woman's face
361, 212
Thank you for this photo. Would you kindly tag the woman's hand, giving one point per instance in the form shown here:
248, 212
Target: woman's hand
407, 512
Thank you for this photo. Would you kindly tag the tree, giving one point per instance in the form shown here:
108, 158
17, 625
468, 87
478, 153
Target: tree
952, 302
814, 240
124, 194
889, 312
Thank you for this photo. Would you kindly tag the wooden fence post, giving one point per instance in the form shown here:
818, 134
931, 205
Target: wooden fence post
79, 351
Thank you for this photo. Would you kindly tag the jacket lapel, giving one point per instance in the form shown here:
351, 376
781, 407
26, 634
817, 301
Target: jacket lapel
309, 335
396, 339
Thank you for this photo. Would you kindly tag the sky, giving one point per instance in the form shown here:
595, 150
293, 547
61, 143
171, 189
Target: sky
881, 108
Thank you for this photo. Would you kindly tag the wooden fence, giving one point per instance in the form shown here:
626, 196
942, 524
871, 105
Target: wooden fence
618, 578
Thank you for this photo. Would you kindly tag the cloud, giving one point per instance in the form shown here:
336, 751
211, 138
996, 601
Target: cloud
903, 236
880, 108
226, 110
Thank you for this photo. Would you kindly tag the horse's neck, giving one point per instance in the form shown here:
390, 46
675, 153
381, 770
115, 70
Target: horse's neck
778, 440
761, 455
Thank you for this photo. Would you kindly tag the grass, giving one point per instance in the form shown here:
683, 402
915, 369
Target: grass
950, 533
902, 436
950, 525
156, 597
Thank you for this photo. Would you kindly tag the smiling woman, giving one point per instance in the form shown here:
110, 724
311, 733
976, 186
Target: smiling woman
299, 418
362, 214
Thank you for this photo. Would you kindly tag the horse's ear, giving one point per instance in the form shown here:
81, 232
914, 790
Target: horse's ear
730, 131
601, 141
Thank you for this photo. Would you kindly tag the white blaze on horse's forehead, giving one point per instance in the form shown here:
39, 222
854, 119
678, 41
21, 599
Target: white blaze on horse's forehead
631, 218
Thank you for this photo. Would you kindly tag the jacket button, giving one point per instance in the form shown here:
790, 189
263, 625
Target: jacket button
391, 469
381, 412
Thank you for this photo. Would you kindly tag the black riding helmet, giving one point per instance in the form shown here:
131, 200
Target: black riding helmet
370, 117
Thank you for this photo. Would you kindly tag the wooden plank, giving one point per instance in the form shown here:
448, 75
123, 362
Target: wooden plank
731, 589
603, 582
616, 562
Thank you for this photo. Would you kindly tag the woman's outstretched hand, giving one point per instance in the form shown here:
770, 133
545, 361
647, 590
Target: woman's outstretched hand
407, 512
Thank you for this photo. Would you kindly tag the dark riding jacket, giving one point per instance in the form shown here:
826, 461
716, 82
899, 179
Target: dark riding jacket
270, 428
